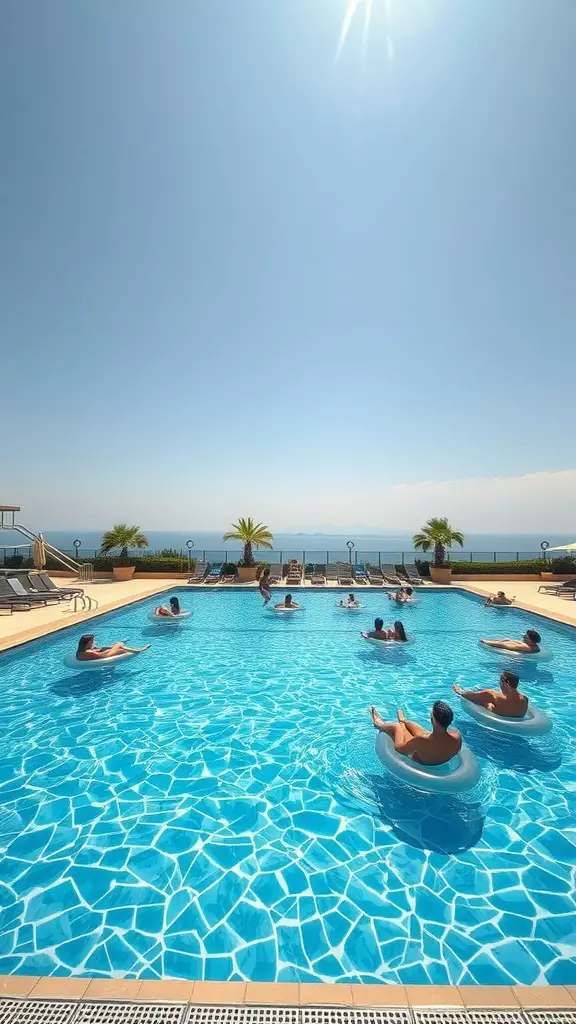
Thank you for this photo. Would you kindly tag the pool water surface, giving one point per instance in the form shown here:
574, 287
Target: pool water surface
215, 809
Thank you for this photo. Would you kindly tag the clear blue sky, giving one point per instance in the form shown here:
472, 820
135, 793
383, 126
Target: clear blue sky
229, 263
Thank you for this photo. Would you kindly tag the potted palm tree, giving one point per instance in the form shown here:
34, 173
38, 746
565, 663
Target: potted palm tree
251, 535
124, 537
438, 534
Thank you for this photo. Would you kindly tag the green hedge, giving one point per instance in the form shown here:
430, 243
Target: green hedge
501, 568
143, 563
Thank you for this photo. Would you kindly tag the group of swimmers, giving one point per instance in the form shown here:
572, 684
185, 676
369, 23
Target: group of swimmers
441, 743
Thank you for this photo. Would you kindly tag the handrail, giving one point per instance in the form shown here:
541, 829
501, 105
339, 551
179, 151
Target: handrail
56, 554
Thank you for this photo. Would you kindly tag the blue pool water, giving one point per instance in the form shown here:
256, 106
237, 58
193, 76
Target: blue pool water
215, 808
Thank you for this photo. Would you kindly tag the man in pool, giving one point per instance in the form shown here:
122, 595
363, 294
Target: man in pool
529, 644
498, 599
287, 603
350, 602
411, 740
378, 633
509, 702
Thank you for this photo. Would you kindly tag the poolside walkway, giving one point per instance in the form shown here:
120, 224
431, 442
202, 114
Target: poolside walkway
562, 609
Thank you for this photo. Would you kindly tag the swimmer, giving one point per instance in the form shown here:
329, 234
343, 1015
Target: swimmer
174, 608
498, 599
396, 632
87, 652
529, 644
350, 602
264, 586
287, 603
402, 596
509, 702
410, 739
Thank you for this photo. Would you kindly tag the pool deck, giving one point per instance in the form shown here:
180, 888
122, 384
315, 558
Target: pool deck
22, 626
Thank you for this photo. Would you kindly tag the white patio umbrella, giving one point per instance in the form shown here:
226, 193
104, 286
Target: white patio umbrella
564, 547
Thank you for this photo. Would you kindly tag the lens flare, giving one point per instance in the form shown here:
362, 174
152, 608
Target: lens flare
367, 7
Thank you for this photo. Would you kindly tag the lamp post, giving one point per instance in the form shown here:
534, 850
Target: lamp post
350, 546
544, 548
189, 545
77, 544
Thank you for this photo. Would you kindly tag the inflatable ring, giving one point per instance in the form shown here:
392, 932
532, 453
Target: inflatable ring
71, 661
534, 722
283, 610
456, 776
387, 643
349, 607
154, 617
500, 652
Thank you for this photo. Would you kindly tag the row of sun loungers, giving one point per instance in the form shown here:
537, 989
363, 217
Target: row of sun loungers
342, 573
566, 589
33, 590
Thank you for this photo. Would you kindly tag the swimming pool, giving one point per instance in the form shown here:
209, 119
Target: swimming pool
215, 808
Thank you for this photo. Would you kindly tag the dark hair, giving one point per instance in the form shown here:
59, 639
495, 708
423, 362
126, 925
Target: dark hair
511, 678
378, 623
351, 595
288, 599
408, 590
442, 713
534, 636
175, 605
399, 628
84, 642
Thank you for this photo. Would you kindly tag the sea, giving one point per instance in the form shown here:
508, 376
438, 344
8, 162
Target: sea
323, 546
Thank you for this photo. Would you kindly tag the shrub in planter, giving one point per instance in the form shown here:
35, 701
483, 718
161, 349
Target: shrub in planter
438, 535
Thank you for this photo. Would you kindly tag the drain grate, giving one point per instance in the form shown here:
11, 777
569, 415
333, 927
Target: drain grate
551, 1016
337, 1015
496, 1017
449, 1015
35, 1011
243, 1015
128, 1013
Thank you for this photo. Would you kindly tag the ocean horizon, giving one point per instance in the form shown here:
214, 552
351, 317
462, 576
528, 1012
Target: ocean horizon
332, 544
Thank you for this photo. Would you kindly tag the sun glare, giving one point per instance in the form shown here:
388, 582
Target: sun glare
363, 8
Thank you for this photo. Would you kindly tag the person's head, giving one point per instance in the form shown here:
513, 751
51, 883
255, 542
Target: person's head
288, 599
175, 605
532, 637
442, 714
408, 590
85, 643
509, 681
350, 597
500, 594
400, 632
378, 623
266, 572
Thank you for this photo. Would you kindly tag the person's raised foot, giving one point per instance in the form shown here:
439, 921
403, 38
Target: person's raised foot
457, 689
400, 715
376, 720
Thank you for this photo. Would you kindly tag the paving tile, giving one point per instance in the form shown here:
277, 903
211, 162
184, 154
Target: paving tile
17, 984
59, 988
496, 996
273, 993
222, 993
113, 988
433, 995
543, 996
325, 995
166, 991
379, 995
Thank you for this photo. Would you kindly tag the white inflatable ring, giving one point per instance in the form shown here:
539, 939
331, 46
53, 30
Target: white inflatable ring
534, 723
154, 617
349, 607
282, 610
500, 652
71, 661
456, 776
388, 643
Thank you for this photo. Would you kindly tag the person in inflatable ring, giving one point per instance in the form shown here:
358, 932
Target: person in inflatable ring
287, 603
411, 740
396, 632
174, 608
498, 599
529, 644
87, 652
350, 602
402, 596
509, 702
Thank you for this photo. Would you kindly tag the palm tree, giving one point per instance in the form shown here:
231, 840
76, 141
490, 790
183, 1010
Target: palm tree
249, 534
437, 534
123, 536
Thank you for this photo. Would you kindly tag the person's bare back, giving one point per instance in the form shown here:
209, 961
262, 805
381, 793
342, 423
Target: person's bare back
427, 747
509, 702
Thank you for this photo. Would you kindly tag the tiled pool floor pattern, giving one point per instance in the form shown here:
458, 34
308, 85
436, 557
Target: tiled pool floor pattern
215, 810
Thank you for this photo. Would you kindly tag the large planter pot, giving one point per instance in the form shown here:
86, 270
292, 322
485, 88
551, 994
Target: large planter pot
546, 575
123, 572
440, 574
247, 574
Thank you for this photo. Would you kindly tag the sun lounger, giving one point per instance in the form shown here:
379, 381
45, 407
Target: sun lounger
16, 589
214, 574
332, 572
553, 588
345, 576
9, 600
318, 578
375, 576
44, 585
361, 574
199, 572
413, 575
227, 577
276, 573
391, 576
294, 575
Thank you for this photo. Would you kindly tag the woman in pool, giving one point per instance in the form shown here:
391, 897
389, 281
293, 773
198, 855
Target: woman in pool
402, 596
87, 652
499, 598
396, 632
350, 602
174, 608
264, 586
287, 603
